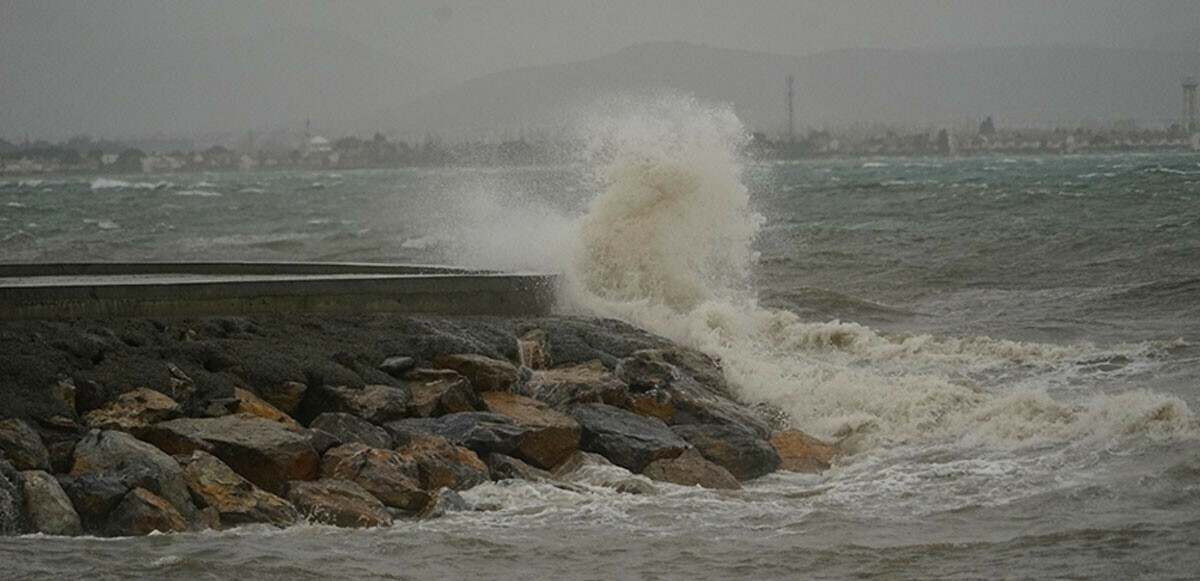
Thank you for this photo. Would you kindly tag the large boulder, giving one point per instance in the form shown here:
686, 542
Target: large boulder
444, 501
375, 403
339, 503
134, 411
267, 453
387, 474
350, 428
691, 469
627, 439
689, 386
142, 512
135, 464
549, 437
479, 431
437, 392
739, 450
505, 467
285, 395
248, 403
801, 452
439, 463
397, 365
236, 500
583, 383
23, 446
484, 373
47, 507
94, 495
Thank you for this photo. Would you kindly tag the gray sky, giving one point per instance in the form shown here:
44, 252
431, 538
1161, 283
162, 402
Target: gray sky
454, 40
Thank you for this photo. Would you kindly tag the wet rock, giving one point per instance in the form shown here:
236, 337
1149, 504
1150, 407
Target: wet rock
375, 403
627, 439
506, 467
135, 464
437, 392
142, 512
579, 460
267, 453
395, 366
739, 450
320, 440
248, 403
23, 446
94, 495
62, 456
439, 463
689, 383
479, 431
12, 500
64, 392
691, 469
285, 396
801, 452
633, 486
386, 474
776, 418
549, 437
339, 503
534, 349
47, 507
655, 403
484, 373
133, 411
235, 499
350, 428
584, 383
443, 502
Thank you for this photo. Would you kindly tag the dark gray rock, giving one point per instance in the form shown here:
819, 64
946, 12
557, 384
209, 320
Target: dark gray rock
12, 500
583, 383
396, 365
443, 502
739, 450
94, 495
350, 428
627, 439
321, 440
47, 507
135, 464
478, 431
505, 467
142, 512
375, 403
23, 446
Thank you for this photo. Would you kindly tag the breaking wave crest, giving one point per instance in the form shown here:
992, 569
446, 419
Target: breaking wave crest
667, 245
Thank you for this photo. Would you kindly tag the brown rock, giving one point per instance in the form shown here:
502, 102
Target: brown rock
285, 396
47, 507
655, 403
375, 403
339, 503
386, 474
801, 452
23, 446
584, 383
739, 450
691, 469
439, 463
437, 392
484, 373
550, 436
142, 512
267, 453
534, 349
133, 411
579, 460
62, 456
506, 467
135, 464
248, 403
234, 498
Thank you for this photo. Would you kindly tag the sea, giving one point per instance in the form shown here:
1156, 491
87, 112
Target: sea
1005, 348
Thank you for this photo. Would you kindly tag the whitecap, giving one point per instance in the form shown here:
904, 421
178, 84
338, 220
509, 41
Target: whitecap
201, 193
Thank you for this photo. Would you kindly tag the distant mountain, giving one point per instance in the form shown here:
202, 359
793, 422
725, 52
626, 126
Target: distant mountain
1035, 84
116, 86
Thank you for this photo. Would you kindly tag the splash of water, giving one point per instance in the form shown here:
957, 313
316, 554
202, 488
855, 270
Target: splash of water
667, 246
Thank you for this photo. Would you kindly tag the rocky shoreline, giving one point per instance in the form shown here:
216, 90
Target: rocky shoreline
126, 427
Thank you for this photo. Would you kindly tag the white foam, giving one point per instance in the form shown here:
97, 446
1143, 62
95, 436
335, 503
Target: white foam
667, 246
200, 193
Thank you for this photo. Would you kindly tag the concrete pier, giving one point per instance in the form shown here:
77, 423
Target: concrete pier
98, 290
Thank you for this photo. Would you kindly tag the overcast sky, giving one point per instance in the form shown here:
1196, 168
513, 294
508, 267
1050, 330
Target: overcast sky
113, 67
463, 38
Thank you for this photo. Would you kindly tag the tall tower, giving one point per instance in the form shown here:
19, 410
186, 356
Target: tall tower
1189, 105
791, 117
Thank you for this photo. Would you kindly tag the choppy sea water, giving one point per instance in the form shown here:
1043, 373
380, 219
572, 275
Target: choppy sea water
1007, 346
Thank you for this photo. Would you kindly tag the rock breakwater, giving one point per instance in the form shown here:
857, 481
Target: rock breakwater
127, 427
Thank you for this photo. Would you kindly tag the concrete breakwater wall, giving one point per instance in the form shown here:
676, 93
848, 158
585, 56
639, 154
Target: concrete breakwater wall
98, 290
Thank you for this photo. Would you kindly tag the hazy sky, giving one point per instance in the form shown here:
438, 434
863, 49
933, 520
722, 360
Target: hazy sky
464, 38
119, 67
